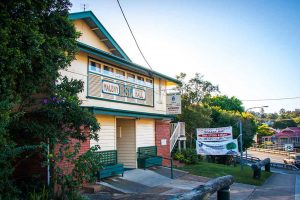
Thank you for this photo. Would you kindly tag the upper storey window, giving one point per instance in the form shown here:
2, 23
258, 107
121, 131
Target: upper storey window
108, 70
149, 82
120, 74
140, 80
95, 67
131, 77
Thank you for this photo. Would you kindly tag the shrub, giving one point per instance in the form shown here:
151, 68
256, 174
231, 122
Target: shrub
187, 156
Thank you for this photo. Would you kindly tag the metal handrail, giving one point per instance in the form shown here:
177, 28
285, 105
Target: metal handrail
171, 162
174, 137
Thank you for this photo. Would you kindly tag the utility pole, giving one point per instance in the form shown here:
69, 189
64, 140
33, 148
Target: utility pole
241, 144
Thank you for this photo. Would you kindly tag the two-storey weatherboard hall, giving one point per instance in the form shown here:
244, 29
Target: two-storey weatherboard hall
128, 100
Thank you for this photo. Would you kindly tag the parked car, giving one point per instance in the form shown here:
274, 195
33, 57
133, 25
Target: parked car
293, 160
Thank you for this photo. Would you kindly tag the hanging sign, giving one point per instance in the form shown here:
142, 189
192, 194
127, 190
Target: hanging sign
229, 147
214, 134
173, 104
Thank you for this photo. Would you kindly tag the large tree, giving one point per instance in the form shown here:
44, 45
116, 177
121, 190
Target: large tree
37, 40
226, 103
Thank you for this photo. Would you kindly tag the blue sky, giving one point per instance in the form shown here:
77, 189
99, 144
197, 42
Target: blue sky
250, 48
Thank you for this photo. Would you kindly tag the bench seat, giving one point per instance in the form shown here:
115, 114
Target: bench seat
147, 157
109, 164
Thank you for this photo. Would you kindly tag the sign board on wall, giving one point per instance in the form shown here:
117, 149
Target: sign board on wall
214, 134
114, 89
173, 104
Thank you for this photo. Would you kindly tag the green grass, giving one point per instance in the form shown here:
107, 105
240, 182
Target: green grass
213, 170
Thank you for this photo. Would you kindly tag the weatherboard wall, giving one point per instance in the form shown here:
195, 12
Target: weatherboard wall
88, 36
79, 70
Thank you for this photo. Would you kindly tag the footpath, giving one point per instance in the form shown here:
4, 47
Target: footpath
156, 185
278, 187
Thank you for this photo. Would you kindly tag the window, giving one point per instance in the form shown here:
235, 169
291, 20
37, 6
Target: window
120, 74
108, 71
149, 82
95, 67
131, 77
140, 80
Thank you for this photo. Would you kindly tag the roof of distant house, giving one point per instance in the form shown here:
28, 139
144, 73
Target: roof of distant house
289, 132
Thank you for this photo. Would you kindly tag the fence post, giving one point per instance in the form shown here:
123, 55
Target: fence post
268, 167
224, 193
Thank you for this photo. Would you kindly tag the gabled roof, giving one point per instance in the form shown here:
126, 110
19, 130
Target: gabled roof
100, 31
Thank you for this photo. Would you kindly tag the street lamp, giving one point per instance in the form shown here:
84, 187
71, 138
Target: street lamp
241, 134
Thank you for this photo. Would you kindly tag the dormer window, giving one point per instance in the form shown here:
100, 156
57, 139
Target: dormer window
109, 71
95, 67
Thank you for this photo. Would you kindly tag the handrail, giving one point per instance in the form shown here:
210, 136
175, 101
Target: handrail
174, 136
171, 162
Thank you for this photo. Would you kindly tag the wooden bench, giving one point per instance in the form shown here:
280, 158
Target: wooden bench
147, 157
109, 164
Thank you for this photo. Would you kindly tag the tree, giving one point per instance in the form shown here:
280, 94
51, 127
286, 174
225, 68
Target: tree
284, 123
226, 103
264, 130
194, 113
36, 41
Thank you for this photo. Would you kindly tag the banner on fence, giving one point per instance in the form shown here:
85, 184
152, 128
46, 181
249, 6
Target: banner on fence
214, 134
229, 147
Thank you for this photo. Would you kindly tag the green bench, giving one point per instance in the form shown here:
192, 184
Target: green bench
109, 164
147, 157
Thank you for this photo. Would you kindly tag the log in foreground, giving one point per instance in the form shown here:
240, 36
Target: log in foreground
203, 192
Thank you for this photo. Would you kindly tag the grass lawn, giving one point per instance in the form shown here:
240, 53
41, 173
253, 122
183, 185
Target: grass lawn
213, 170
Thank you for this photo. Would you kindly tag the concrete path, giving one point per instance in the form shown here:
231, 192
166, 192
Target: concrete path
277, 187
156, 184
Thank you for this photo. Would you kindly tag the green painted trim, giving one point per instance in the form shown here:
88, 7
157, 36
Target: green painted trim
127, 113
102, 54
90, 14
116, 101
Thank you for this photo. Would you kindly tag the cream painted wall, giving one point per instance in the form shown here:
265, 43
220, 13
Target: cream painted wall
107, 133
145, 132
88, 36
126, 142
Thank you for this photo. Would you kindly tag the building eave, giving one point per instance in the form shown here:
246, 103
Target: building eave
127, 113
102, 54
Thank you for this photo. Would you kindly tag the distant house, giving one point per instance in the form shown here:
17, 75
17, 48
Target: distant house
290, 135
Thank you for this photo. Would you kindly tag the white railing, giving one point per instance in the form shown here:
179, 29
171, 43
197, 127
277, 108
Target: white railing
177, 131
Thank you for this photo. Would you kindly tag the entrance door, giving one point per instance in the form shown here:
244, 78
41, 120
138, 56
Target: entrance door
126, 145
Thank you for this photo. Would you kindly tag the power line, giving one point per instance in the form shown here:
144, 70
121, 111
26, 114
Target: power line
276, 99
133, 35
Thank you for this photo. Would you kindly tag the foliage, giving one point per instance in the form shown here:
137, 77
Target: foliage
187, 156
284, 123
194, 113
226, 103
213, 170
84, 169
43, 195
222, 118
37, 105
265, 130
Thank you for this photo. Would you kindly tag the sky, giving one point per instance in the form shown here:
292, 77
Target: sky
249, 48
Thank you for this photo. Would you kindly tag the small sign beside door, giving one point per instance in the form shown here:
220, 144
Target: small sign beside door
163, 142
